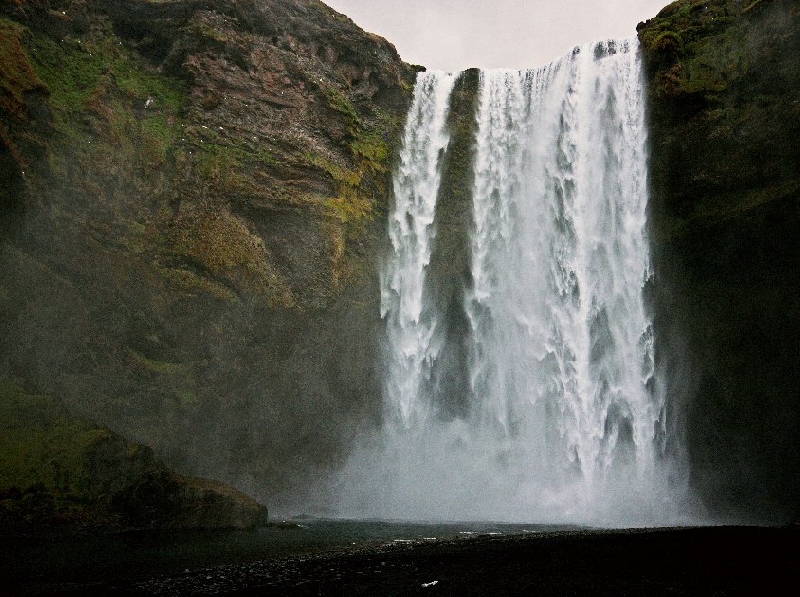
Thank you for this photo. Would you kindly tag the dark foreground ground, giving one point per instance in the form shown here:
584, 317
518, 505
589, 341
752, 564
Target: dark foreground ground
689, 561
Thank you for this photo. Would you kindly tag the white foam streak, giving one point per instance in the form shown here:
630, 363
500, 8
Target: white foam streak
416, 184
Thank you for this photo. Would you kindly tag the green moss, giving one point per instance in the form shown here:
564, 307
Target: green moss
217, 241
367, 146
355, 199
352, 205
697, 48
349, 207
667, 41
372, 151
369, 151
96, 76
351, 178
188, 281
137, 84
204, 30
159, 367
71, 72
337, 101
716, 60
158, 138
358, 188
225, 163
227, 257
107, 114
187, 398
40, 446
216, 163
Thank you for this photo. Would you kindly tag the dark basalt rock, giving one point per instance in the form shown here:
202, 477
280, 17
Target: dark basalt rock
724, 100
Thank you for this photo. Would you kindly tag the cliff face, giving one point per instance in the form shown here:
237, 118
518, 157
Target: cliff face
193, 197
724, 96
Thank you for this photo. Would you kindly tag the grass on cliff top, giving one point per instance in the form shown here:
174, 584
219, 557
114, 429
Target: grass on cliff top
686, 20
700, 45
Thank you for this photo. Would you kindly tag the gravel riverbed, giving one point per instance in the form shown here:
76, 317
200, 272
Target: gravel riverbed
684, 561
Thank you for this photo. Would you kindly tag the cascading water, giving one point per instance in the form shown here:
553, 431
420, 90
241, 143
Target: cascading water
564, 421
416, 183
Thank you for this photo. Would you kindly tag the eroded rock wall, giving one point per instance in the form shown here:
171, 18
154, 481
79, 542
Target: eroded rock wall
194, 194
724, 97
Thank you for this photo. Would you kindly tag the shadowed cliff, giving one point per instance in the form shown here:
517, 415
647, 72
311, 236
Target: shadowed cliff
724, 96
61, 473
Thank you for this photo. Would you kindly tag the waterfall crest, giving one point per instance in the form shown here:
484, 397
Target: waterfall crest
565, 422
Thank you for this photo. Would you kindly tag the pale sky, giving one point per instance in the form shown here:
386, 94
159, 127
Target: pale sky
517, 34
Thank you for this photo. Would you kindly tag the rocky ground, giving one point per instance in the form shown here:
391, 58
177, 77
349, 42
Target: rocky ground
690, 561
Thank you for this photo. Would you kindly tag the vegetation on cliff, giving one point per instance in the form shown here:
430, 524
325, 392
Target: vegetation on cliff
725, 72
61, 473
191, 202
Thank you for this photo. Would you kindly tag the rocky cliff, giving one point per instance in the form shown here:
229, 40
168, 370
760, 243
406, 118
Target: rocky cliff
724, 97
192, 202
193, 198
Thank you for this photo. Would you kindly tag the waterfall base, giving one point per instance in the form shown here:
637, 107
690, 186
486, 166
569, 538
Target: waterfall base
532, 394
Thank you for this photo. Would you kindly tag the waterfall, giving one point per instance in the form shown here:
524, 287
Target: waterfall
409, 328
565, 422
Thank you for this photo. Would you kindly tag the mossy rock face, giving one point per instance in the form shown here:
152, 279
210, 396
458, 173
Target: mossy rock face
192, 204
59, 473
724, 108
21, 94
451, 257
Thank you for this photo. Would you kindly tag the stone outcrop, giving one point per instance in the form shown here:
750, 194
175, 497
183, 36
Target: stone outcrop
193, 199
724, 98
59, 473
450, 264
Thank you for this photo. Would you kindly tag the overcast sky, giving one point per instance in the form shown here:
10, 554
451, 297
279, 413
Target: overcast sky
518, 34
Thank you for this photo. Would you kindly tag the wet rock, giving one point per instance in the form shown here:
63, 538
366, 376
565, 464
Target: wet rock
724, 104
